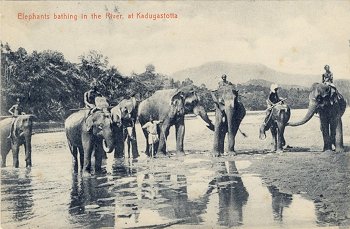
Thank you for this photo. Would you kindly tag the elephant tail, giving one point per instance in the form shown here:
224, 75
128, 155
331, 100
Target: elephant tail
243, 134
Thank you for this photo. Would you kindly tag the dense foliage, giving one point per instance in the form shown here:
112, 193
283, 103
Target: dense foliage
50, 86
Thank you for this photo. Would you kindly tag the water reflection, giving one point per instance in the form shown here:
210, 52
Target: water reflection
279, 202
91, 201
232, 194
149, 195
17, 196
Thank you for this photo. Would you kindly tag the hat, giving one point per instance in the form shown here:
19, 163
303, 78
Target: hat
273, 87
223, 76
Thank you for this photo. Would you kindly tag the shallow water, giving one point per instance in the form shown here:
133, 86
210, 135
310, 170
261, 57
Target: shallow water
181, 191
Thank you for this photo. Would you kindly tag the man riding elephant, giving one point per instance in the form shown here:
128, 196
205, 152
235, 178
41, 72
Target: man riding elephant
15, 111
90, 96
327, 79
94, 100
273, 100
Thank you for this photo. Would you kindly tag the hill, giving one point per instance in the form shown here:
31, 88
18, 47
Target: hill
266, 83
209, 74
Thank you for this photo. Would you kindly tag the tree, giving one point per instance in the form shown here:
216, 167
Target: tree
150, 68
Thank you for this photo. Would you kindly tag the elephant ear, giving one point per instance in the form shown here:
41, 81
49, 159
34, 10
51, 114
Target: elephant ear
177, 102
175, 98
89, 122
116, 114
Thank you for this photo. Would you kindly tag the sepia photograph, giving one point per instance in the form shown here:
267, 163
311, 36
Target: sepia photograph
175, 114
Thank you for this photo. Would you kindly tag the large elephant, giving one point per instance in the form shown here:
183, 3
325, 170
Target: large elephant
124, 116
229, 114
21, 135
170, 106
276, 122
330, 105
91, 134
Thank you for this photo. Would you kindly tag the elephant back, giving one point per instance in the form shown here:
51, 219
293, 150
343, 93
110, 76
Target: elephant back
157, 105
75, 119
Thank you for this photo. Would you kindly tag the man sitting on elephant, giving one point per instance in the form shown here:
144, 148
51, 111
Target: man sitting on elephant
94, 100
272, 101
90, 96
224, 81
15, 111
327, 78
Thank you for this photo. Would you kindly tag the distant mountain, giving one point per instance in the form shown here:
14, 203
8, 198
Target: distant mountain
266, 83
210, 73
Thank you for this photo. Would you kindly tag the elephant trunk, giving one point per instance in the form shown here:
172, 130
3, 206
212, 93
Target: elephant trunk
232, 129
262, 134
199, 110
311, 111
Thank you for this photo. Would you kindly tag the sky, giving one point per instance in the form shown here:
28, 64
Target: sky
287, 36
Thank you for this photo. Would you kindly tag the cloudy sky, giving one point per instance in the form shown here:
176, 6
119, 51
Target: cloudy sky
292, 37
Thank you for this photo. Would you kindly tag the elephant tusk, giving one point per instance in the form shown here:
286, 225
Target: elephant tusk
105, 148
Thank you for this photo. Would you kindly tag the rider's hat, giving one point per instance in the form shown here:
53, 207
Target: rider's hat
274, 87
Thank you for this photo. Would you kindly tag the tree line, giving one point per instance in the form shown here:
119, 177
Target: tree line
49, 86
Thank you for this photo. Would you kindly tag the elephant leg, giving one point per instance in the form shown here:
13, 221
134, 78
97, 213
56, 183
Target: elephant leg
280, 137
180, 134
81, 157
339, 144
119, 144
219, 134
164, 132
98, 157
145, 133
327, 143
332, 129
273, 130
155, 147
3, 159
232, 136
88, 148
28, 152
133, 142
15, 151
73, 151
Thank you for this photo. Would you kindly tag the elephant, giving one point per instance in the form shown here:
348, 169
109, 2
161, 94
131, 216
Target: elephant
21, 128
91, 134
124, 116
170, 107
276, 122
330, 105
229, 113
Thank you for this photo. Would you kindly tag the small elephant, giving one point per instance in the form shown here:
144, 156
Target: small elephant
276, 122
21, 128
124, 117
229, 113
91, 134
170, 107
325, 100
